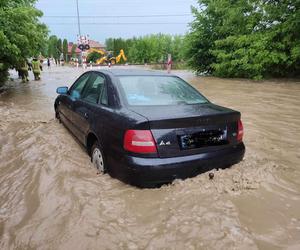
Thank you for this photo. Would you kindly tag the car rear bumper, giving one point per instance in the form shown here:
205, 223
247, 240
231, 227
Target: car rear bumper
152, 172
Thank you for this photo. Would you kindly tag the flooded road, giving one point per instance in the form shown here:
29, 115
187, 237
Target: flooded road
52, 198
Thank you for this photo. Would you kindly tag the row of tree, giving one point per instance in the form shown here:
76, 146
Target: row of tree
148, 49
245, 38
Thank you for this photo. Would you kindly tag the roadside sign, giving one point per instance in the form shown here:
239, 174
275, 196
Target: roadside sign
83, 43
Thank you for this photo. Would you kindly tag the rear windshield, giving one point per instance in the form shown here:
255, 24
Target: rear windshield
159, 90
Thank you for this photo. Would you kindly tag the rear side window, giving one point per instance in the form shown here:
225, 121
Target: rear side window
78, 86
93, 90
158, 90
104, 98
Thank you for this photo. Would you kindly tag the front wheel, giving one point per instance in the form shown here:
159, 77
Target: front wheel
57, 115
97, 158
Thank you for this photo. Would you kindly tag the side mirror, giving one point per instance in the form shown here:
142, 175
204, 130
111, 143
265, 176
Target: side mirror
62, 90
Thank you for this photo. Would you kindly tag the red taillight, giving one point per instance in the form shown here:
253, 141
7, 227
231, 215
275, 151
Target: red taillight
139, 141
240, 132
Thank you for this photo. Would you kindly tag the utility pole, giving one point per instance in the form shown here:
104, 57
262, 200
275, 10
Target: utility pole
78, 19
79, 30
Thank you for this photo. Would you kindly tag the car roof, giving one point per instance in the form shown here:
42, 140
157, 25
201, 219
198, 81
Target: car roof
134, 72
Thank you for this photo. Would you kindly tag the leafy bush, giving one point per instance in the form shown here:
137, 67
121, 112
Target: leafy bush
93, 57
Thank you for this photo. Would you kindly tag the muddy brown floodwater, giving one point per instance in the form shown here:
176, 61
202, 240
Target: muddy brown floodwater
52, 198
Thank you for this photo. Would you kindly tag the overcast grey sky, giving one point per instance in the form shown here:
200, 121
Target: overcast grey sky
102, 19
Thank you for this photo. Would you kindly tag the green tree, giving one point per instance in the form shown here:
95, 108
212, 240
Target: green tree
22, 35
52, 48
93, 57
281, 26
177, 48
51, 43
242, 38
73, 51
65, 49
109, 43
116, 44
59, 49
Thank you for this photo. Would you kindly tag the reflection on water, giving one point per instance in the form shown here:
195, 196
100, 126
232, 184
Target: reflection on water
52, 198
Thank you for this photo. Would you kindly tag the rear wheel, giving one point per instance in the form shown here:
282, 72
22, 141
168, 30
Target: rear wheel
97, 158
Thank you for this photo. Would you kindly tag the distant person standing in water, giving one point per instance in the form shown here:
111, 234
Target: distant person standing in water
36, 68
48, 62
169, 63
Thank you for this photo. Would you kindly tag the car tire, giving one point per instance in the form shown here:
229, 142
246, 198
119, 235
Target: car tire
57, 115
97, 158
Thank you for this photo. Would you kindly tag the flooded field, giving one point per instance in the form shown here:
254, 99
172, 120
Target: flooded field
52, 198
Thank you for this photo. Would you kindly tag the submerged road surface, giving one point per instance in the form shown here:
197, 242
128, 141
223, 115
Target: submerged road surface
52, 198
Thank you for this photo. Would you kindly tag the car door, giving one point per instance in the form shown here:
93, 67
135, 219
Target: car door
87, 107
67, 101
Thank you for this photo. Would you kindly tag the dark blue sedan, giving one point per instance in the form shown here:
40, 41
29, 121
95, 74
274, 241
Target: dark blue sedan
148, 128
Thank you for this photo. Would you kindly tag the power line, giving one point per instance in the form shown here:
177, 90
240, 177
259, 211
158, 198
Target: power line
158, 15
97, 23
47, 2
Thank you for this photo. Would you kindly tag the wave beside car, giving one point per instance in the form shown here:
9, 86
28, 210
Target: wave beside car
148, 128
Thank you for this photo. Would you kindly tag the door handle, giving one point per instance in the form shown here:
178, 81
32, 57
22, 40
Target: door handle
86, 115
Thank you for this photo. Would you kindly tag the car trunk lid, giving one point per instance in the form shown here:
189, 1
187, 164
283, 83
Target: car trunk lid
190, 129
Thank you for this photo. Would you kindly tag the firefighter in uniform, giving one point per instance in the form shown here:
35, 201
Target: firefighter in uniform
24, 70
36, 68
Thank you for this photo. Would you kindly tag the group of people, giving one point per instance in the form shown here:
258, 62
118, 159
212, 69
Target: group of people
25, 66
